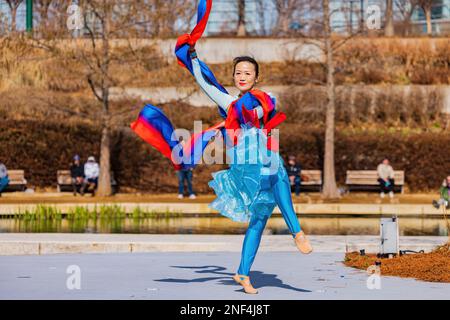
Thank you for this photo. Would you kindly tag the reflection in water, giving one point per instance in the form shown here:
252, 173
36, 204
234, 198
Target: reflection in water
318, 225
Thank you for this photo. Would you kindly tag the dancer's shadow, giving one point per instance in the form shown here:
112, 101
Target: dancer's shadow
259, 279
201, 269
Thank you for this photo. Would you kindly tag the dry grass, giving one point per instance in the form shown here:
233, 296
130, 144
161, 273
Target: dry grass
361, 106
432, 267
359, 61
44, 146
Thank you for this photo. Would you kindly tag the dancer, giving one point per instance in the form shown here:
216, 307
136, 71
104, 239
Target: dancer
245, 74
246, 191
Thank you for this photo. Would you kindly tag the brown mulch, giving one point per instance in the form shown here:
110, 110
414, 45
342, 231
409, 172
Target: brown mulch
433, 266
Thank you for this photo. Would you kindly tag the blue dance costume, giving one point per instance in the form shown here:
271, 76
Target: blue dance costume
249, 191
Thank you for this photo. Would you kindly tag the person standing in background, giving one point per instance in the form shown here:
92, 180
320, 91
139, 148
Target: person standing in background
4, 179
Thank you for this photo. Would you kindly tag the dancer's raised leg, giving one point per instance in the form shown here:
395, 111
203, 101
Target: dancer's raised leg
282, 194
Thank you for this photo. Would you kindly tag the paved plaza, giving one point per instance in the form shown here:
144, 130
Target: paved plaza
198, 275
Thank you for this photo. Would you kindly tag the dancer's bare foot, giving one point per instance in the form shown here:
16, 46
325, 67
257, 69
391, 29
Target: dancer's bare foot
245, 282
302, 243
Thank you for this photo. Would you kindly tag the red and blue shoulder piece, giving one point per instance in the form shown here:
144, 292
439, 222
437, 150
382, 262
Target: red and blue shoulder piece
241, 111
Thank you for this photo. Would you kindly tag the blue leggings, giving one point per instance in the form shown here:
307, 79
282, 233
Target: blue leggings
282, 194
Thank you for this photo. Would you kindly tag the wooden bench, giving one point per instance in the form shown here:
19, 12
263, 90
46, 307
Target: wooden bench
17, 181
64, 181
313, 181
367, 180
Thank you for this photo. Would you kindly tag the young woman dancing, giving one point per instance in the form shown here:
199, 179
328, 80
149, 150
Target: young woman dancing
228, 185
246, 191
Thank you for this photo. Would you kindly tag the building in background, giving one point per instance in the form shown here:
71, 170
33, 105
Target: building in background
350, 16
262, 18
440, 18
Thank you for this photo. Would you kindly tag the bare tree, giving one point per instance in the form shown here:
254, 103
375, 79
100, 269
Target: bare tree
330, 189
287, 10
261, 17
241, 30
318, 32
389, 23
108, 41
42, 8
167, 18
13, 6
426, 6
406, 9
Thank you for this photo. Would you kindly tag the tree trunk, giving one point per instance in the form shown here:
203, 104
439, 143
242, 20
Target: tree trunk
428, 17
330, 190
13, 19
241, 32
407, 27
389, 26
104, 181
283, 23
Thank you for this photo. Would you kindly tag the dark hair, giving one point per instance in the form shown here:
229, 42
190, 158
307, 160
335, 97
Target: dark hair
247, 59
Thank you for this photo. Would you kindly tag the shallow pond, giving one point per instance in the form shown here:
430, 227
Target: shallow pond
317, 224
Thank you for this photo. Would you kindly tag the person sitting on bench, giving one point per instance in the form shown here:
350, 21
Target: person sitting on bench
77, 174
4, 179
91, 173
445, 195
294, 172
386, 178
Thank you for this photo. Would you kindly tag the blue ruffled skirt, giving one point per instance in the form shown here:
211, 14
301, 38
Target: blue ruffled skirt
246, 188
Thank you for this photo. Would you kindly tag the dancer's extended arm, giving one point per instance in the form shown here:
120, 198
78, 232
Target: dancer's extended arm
222, 99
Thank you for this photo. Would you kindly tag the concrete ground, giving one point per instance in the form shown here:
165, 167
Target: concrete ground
199, 267
69, 243
198, 276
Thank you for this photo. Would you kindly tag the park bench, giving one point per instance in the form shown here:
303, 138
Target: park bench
64, 181
17, 181
367, 180
311, 180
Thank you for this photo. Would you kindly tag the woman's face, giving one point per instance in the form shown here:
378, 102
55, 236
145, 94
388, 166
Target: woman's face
244, 76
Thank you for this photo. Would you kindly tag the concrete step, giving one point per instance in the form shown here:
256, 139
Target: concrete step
47, 243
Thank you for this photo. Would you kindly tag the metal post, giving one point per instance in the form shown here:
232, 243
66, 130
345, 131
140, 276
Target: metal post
29, 18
